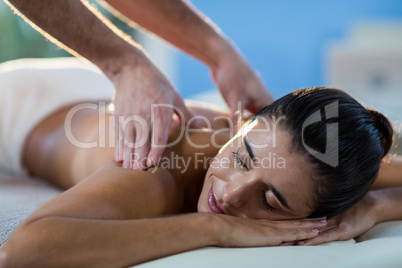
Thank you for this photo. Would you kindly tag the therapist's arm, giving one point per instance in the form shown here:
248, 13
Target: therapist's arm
71, 25
77, 27
181, 24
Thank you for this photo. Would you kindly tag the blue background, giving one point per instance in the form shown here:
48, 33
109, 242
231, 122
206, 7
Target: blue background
284, 40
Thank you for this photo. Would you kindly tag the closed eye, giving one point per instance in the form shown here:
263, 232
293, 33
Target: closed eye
238, 160
265, 202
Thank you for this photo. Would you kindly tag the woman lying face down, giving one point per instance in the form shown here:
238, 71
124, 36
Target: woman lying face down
313, 153
288, 168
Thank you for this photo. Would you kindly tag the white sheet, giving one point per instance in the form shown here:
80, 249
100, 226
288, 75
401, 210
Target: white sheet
380, 247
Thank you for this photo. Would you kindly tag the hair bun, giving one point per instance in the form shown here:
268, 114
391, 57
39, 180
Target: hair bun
384, 128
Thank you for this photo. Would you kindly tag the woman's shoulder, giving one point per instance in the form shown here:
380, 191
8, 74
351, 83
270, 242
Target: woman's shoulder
116, 193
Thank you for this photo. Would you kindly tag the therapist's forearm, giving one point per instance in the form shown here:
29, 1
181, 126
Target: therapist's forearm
71, 23
179, 23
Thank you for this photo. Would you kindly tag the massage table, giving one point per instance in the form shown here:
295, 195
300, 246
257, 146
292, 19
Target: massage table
380, 247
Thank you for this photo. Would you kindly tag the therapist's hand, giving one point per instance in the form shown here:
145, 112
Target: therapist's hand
350, 224
141, 139
238, 83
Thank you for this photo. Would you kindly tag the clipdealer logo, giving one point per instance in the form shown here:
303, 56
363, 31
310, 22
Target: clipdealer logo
331, 154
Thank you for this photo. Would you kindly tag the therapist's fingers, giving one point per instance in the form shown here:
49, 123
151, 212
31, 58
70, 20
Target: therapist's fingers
186, 117
142, 145
119, 146
159, 136
129, 143
235, 114
119, 139
160, 127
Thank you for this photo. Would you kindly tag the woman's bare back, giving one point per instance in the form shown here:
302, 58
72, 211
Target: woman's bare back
53, 150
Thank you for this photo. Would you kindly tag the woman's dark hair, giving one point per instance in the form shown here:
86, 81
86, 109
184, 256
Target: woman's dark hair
343, 141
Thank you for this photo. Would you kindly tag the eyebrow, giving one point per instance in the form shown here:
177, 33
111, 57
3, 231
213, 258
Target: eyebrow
279, 197
248, 148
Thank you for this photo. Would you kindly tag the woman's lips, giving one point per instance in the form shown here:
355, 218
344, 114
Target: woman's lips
213, 205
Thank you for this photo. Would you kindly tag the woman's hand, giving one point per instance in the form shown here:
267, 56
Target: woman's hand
244, 232
354, 222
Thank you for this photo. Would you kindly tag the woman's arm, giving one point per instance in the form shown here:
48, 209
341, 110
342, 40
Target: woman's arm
109, 220
387, 204
390, 174
377, 206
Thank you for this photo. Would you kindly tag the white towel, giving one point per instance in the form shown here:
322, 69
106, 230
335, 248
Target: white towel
31, 89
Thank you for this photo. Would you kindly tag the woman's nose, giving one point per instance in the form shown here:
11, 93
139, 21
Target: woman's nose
235, 192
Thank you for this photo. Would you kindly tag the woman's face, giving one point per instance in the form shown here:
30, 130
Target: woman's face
255, 175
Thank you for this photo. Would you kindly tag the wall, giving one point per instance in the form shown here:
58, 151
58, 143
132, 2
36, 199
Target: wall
284, 40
